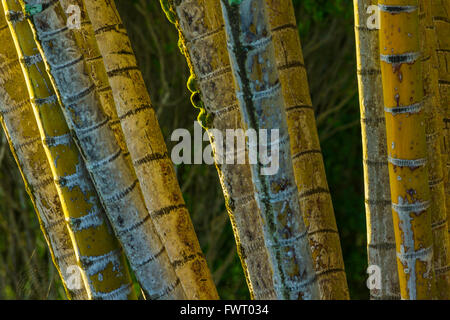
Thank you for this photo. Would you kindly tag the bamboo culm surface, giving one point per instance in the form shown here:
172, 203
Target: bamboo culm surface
111, 170
258, 90
103, 266
24, 139
401, 71
380, 230
149, 153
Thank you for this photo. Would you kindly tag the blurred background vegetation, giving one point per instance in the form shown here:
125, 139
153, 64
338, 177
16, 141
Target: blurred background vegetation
326, 30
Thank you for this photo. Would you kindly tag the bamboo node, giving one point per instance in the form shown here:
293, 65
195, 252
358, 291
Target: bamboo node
410, 207
409, 57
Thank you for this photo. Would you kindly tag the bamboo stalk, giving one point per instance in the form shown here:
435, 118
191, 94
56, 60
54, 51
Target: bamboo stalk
252, 56
103, 266
112, 172
406, 143
149, 154
24, 140
441, 253
380, 230
441, 20
203, 43
309, 169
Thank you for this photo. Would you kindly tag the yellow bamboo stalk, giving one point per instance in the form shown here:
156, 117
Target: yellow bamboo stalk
21, 129
309, 170
203, 43
111, 170
148, 152
380, 231
441, 252
441, 20
407, 149
102, 263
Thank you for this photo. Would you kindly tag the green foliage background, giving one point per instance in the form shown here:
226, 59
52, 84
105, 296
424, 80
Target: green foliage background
326, 30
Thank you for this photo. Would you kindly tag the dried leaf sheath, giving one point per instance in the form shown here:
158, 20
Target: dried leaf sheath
309, 169
149, 154
100, 257
252, 57
441, 252
406, 143
203, 42
21, 129
380, 230
112, 172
